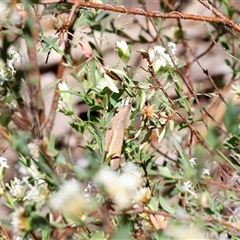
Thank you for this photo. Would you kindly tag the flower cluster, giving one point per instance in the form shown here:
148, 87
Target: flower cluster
7, 70
159, 57
125, 188
72, 201
3, 163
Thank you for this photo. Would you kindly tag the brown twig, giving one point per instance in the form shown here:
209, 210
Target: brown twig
3, 233
33, 79
5, 134
155, 14
60, 71
151, 70
229, 24
50, 120
140, 210
223, 186
205, 71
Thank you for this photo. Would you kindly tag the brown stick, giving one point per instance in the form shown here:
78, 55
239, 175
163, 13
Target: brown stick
52, 114
156, 14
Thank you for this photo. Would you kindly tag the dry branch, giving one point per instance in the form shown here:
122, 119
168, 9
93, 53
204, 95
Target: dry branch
156, 14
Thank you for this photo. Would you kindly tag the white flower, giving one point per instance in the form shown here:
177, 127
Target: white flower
143, 195
193, 162
70, 200
16, 188
124, 51
36, 191
122, 45
188, 187
18, 238
172, 48
6, 73
3, 162
7, 70
236, 90
68, 190
65, 107
106, 176
18, 220
34, 149
122, 188
205, 172
13, 56
159, 58
63, 88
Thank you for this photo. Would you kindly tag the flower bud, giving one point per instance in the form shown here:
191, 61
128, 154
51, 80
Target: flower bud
124, 51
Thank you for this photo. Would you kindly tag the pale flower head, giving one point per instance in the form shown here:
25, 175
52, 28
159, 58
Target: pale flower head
3, 162
188, 187
122, 188
160, 58
205, 172
236, 90
16, 188
19, 220
65, 107
122, 45
71, 201
148, 111
36, 191
13, 56
123, 50
34, 149
6, 73
193, 162
68, 190
143, 195
172, 48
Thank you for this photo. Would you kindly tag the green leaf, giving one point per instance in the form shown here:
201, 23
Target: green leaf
161, 135
233, 144
98, 236
165, 205
45, 235
123, 232
231, 118
180, 150
20, 143
165, 172
153, 204
39, 222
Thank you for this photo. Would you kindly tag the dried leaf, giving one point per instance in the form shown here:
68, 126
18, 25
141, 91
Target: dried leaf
86, 50
115, 135
158, 221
